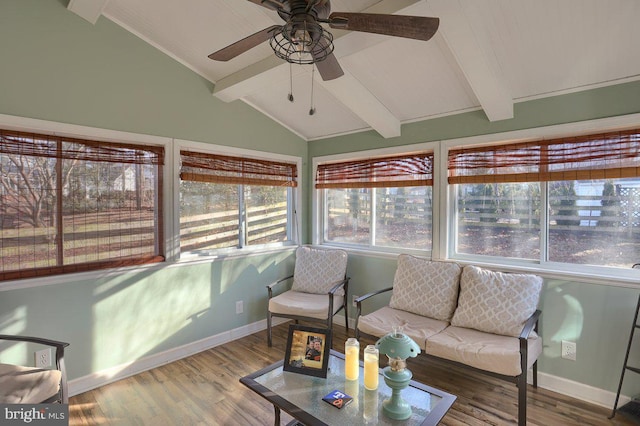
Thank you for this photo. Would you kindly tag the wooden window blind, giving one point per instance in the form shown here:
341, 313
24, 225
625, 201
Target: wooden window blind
393, 171
212, 168
73, 205
597, 156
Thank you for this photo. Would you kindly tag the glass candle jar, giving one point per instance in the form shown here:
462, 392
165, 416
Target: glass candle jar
370, 413
371, 357
351, 359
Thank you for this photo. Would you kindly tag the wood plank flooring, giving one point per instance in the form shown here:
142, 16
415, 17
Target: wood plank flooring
203, 389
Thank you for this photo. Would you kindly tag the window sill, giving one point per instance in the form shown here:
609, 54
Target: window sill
105, 273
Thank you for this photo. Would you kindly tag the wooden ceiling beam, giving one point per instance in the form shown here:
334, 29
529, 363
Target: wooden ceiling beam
482, 73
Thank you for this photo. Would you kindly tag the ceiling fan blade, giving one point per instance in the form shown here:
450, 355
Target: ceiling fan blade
269, 4
416, 27
327, 65
241, 46
329, 68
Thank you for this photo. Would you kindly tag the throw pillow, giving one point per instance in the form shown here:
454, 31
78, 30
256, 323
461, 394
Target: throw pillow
496, 302
318, 270
425, 287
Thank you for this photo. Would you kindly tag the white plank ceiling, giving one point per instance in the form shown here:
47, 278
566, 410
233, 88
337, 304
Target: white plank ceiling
487, 54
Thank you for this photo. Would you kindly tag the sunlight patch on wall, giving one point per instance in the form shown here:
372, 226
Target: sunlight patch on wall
570, 328
135, 315
249, 269
15, 322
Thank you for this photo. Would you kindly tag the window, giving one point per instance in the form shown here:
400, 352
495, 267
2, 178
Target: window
570, 200
383, 202
71, 205
229, 202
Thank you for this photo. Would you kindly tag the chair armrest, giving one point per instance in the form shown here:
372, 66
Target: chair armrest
530, 325
39, 340
64, 391
340, 284
361, 299
274, 284
369, 295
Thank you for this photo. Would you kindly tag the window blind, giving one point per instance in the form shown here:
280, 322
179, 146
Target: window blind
597, 156
47, 146
72, 205
212, 168
392, 171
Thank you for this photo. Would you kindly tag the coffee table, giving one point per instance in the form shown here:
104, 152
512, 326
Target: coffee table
301, 396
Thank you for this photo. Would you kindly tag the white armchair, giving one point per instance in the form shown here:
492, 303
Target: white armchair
319, 289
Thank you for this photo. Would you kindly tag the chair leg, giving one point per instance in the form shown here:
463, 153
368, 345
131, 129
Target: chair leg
522, 399
346, 322
346, 317
269, 329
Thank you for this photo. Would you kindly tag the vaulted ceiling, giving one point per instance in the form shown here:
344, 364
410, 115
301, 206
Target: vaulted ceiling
487, 54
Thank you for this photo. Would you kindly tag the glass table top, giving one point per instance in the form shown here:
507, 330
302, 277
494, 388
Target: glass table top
301, 396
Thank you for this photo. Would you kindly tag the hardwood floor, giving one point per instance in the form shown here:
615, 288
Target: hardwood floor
203, 389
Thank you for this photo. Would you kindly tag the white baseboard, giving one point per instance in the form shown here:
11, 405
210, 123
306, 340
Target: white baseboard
83, 384
580, 391
101, 378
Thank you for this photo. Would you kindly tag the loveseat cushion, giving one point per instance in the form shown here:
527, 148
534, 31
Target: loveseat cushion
27, 385
496, 302
425, 287
318, 270
486, 351
382, 321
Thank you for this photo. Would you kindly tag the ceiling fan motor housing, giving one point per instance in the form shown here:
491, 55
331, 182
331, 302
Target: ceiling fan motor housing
302, 40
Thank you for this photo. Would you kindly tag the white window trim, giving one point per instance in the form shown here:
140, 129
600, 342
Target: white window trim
317, 223
180, 144
171, 176
93, 133
586, 273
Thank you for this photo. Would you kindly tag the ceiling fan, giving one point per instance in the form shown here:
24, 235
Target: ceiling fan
303, 40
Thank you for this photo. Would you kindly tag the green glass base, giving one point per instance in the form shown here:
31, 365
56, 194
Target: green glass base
395, 407
396, 410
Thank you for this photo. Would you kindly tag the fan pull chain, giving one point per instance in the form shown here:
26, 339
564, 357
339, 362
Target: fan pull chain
312, 110
290, 97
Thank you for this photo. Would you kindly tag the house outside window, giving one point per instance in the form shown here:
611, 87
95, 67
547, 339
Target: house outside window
572, 201
381, 203
231, 202
73, 205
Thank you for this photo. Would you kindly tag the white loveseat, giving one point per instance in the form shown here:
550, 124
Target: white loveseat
469, 316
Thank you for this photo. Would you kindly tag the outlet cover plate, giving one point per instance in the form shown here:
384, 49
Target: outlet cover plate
568, 350
43, 358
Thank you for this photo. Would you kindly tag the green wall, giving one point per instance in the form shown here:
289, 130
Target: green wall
58, 67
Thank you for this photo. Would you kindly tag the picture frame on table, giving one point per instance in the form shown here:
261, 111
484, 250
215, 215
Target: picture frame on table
307, 350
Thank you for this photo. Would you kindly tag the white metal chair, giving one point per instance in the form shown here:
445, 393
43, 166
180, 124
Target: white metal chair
319, 289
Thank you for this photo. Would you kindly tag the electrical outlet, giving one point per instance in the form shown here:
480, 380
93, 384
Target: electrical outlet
239, 307
43, 358
353, 300
568, 350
